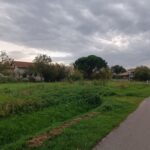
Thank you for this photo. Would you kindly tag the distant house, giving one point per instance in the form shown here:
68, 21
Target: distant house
128, 75
20, 68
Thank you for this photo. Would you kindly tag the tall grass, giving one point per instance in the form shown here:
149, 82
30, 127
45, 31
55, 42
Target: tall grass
29, 109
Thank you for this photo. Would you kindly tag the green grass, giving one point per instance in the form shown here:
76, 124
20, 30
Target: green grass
28, 109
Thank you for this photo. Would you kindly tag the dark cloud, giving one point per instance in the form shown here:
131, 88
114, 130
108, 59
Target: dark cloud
113, 29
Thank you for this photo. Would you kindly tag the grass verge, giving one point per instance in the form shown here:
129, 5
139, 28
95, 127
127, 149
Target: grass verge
66, 102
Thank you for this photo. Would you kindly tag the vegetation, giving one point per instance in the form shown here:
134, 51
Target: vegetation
118, 69
6, 64
42, 66
76, 75
49, 71
90, 65
142, 73
90, 68
79, 113
104, 75
42, 116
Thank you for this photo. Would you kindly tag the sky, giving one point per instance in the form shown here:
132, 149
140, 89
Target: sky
116, 30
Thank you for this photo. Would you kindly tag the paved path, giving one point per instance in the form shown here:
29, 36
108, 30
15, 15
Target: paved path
132, 134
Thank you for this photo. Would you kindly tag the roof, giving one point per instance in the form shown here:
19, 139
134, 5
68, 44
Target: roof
124, 74
21, 64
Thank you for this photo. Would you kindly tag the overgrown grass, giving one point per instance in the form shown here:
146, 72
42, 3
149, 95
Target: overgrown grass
33, 97
38, 108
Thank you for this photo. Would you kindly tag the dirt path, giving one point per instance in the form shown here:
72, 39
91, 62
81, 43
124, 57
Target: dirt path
132, 134
40, 139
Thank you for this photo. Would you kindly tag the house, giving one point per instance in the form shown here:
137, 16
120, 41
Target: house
21, 70
128, 75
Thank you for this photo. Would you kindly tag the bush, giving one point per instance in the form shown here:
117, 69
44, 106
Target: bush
76, 76
90, 99
18, 106
14, 107
6, 79
107, 107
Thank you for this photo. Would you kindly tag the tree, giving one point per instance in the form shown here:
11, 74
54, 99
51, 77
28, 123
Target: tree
6, 63
62, 72
89, 65
42, 64
50, 71
42, 60
118, 69
142, 73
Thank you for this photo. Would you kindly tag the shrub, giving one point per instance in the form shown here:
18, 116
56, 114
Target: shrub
76, 76
18, 106
6, 79
107, 107
90, 99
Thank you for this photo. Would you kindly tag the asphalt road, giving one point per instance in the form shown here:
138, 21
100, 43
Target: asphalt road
132, 134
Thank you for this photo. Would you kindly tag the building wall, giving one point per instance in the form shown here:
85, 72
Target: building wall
19, 72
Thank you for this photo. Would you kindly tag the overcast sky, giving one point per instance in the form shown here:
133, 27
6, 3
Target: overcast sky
116, 30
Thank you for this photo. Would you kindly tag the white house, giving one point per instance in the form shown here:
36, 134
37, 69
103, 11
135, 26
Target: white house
20, 68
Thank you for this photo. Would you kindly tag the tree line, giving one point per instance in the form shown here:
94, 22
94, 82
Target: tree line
89, 68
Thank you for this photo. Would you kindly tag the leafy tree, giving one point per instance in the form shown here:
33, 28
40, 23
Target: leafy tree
89, 65
50, 71
118, 69
42, 60
42, 64
6, 63
142, 73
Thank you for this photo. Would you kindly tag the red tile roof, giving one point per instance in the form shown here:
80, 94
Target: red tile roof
21, 64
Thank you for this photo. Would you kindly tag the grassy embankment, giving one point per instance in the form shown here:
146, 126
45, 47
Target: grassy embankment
61, 116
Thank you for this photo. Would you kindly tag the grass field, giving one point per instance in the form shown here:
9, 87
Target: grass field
64, 116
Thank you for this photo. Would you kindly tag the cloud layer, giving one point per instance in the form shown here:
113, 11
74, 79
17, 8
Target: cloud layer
118, 31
